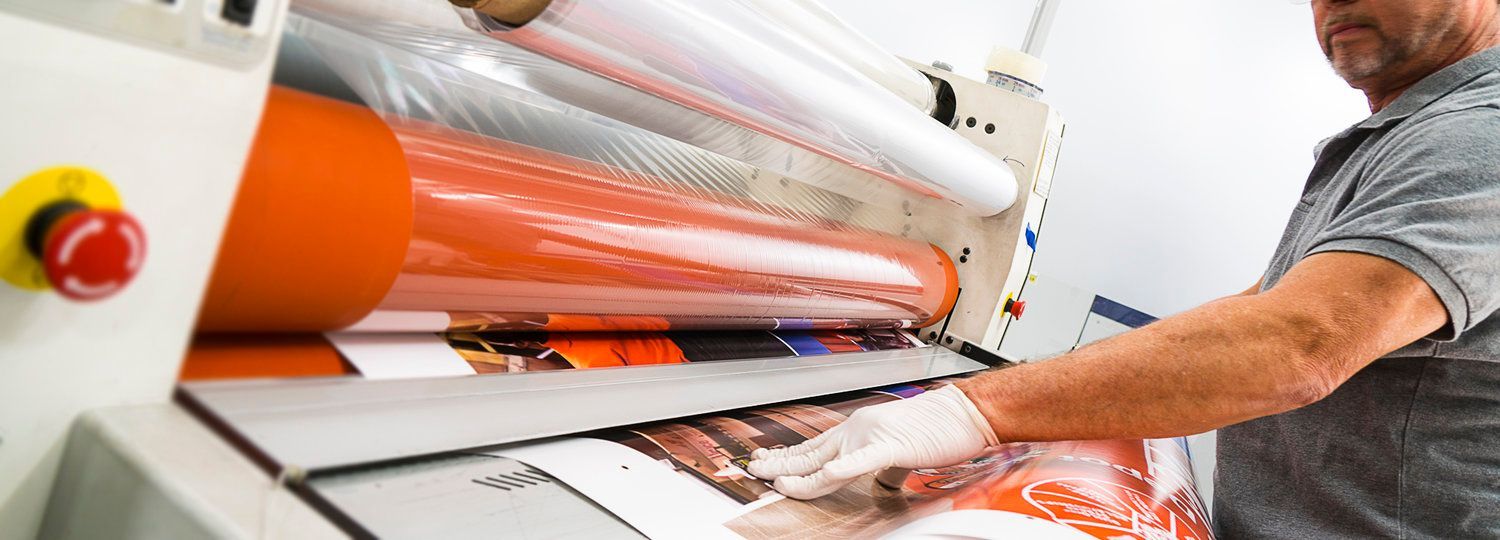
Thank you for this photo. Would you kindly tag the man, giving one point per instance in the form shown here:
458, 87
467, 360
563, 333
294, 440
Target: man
1357, 386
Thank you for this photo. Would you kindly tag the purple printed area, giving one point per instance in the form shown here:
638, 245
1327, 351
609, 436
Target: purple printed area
802, 343
903, 391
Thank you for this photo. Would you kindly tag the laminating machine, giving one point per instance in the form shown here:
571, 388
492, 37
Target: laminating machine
197, 318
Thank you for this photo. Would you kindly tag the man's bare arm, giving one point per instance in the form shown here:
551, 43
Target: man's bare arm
1230, 360
1237, 358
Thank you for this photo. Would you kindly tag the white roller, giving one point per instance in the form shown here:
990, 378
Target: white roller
811, 21
731, 60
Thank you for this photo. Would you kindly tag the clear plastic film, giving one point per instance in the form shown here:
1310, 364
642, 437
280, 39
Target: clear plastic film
511, 237
779, 101
809, 20
531, 214
731, 61
501, 90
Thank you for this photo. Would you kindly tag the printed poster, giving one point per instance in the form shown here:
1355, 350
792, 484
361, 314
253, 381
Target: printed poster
1125, 489
501, 352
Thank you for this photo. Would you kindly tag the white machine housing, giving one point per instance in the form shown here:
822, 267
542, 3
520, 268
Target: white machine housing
91, 84
993, 254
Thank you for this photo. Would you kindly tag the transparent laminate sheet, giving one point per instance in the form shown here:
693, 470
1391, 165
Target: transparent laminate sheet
510, 237
732, 61
529, 213
504, 236
786, 113
809, 20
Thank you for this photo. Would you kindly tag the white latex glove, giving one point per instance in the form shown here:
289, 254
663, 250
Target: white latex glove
936, 428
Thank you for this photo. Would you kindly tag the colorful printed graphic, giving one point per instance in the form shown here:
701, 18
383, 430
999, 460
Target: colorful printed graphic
498, 352
714, 449
1109, 489
1125, 489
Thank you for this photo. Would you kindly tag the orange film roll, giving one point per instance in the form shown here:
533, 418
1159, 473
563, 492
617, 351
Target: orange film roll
320, 224
950, 289
492, 234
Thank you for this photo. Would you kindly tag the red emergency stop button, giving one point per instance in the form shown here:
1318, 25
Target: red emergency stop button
92, 254
1015, 307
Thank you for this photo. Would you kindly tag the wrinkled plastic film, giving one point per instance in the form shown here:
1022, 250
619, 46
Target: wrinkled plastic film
510, 237
533, 214
871, 148
456, 77
809, 20
728, 60
506, 236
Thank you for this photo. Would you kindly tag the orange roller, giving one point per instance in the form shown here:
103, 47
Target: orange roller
239, 356
950, 288
321, 223
341, 214
558, 241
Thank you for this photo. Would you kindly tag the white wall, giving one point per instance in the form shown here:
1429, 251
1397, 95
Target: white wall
1190, 133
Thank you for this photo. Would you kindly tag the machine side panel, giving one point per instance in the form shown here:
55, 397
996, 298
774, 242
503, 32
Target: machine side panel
1019, 130
170, 131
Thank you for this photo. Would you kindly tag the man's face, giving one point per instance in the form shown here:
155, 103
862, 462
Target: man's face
1371, 43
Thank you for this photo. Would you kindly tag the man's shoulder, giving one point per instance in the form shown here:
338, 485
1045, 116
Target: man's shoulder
1456, 138
1466, 120
1476, 100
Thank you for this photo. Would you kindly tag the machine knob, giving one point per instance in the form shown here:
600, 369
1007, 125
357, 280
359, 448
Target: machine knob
87, 254
1015, 308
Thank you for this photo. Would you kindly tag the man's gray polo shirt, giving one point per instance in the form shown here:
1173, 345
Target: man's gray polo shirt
1410, 446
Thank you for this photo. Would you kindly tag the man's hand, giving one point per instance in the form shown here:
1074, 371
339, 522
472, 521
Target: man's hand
934, 429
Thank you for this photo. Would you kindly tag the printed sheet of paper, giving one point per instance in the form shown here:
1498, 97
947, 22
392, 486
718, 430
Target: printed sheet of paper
1103, 489
499, 352
653, 499
397, 355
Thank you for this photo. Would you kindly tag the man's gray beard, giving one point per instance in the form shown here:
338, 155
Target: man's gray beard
1357, 68
1363, 67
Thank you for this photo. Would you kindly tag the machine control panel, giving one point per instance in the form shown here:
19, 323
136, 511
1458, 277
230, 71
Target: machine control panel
231, 33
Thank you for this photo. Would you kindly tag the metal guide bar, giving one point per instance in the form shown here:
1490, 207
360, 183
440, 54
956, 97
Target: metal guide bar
336, 422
